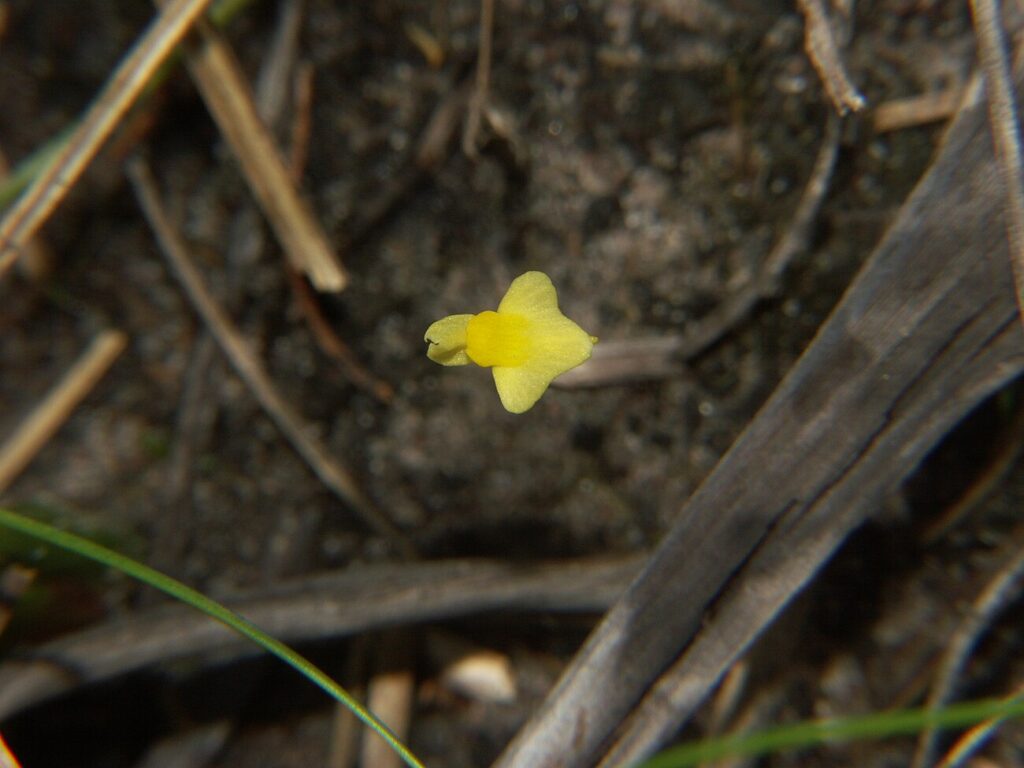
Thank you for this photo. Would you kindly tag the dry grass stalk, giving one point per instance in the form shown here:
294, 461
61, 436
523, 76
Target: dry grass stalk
913, 111
332, 345
300, 434
1003, 120
37, 259
471, 134
58, 405
228, 97
821, 46
272, 84
25, 217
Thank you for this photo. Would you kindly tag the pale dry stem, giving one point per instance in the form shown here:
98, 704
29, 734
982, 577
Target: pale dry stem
823, 51
1005, 130
55, 409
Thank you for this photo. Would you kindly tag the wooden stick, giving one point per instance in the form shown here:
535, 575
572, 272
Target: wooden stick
51, 186
822, 49
36, 259
58, 405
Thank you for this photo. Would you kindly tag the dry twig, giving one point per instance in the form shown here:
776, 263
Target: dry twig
195, 415
821, 46
302, 125
195, 747
248, 366
430, 152
897, 114
229, 99
58, 405
1005, 130
121, 90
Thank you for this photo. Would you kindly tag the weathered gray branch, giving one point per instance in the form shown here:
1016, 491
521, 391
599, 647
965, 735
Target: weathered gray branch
333, 605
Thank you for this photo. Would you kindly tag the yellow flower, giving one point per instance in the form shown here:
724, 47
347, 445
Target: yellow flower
527, 342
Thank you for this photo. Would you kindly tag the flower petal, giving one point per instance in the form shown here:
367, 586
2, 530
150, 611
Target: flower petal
519, 388
530, 294
558, 345
447, 340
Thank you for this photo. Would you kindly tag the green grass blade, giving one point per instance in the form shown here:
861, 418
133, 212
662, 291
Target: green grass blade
58, 538
874, 726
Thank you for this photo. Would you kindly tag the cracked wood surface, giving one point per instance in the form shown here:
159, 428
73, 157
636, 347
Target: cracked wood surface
927, 330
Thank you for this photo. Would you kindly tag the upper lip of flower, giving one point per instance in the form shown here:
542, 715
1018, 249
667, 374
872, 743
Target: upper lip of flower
527, 342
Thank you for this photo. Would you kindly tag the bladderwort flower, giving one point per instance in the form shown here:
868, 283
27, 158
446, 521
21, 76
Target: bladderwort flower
527, 343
